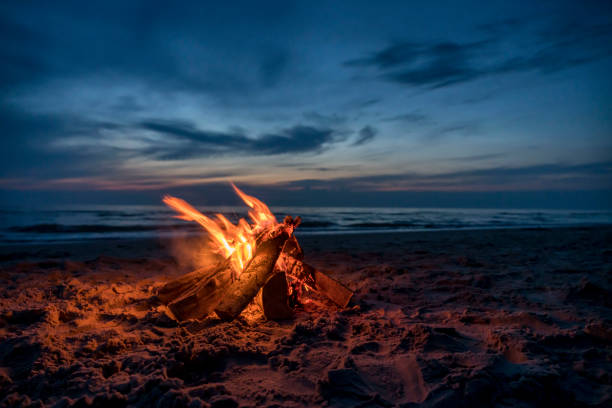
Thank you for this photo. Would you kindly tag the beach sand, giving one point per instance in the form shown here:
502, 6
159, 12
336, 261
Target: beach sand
455, 318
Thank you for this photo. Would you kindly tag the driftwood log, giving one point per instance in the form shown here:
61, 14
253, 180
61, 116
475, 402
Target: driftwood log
195, 295
177, 288
253, 278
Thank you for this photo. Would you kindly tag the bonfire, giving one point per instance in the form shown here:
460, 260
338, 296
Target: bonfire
262, 263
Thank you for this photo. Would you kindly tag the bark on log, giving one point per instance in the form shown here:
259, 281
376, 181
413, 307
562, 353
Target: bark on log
252, 279
195, 295
273, 298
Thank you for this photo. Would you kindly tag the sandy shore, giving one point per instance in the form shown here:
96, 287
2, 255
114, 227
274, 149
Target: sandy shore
464, 318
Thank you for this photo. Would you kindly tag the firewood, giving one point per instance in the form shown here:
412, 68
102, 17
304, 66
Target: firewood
273, 299
334, 290
321, 282
200, 300
252, 279
177, 288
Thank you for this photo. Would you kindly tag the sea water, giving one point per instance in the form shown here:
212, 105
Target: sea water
117, 222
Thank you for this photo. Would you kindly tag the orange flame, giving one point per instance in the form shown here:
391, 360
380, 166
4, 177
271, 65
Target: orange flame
234, 242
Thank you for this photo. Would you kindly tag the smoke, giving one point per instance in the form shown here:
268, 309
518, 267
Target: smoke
193, 253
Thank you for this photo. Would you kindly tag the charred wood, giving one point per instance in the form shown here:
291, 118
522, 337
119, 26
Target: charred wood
273, 298
319, 281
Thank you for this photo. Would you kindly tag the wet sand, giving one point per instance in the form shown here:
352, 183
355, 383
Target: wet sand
461, 318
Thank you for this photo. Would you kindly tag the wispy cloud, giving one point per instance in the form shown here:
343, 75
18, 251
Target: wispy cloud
477, 157
410, 117
468, 128
321, 119
444, 63
202, 143
432, 65
366, 134
546, 176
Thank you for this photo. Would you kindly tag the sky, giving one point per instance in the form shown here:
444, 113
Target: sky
407, 103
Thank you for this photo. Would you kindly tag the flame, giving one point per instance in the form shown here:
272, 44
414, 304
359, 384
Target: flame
234, 242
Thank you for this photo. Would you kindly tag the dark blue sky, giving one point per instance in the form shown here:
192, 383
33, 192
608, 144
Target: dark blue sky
375, 103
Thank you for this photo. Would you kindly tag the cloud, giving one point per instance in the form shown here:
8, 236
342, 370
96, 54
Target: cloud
272, 67
430, 65
366, 134
501, 26
545, 176
477, 157
411, 117
20, 62
202, 143
27, 145
180, 49
325, 120
468, 128
370, 102
444, 63
62, 146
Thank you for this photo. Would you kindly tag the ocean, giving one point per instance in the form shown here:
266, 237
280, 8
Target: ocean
118, 222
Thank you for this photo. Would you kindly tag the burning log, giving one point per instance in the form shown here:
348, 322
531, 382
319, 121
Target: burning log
292, 262
253, 278
319, 281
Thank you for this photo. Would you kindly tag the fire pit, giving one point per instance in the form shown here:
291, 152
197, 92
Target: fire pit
262, 262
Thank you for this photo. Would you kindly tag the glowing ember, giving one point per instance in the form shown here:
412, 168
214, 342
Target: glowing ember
234, 242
